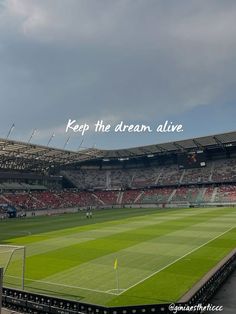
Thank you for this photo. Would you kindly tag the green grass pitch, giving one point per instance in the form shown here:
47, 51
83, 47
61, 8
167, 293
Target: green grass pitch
161, 254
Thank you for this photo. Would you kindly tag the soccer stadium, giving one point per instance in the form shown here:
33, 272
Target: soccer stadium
116, 231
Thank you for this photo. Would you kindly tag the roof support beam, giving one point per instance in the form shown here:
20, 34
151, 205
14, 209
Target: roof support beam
219, 142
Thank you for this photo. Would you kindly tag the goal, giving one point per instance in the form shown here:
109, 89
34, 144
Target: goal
12, 260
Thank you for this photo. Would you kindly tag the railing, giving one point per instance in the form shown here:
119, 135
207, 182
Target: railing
1, 281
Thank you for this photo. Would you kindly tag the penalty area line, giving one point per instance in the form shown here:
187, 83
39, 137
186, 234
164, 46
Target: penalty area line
115, 293
178, 259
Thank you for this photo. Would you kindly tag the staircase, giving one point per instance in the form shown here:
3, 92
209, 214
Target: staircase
158, 177
203, 193
171, 196
108, 180
138, 197
214, 195
211, 173
98, 199
120, 197
182, 176
5, 198
37, 201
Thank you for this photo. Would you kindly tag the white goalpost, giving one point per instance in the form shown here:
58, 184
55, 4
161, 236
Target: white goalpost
12, 260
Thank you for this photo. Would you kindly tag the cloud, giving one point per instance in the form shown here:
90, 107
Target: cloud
127, 59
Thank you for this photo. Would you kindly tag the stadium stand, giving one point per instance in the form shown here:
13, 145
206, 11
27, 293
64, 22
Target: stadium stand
153, 196
189, 172
224, 170
43, 180
29, 201
131, 196
225, 193
214, 172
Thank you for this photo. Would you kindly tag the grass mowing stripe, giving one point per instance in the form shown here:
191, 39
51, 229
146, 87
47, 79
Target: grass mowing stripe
177, 232
41, 224
84, 268
74, 255
52, 225
178, 259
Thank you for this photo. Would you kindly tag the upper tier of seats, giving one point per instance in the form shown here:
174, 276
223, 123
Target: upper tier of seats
215, 171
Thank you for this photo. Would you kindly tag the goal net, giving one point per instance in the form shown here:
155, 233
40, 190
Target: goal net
12, 260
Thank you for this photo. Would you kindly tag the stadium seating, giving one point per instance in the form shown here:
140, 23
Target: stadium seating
107, 197
188, 194
165, 195
215, 171
150, 185
154, 196
132, 196
224, 170
199, 175
208, 194
226, 194
23, 200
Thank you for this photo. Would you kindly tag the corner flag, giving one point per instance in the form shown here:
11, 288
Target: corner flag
115, 264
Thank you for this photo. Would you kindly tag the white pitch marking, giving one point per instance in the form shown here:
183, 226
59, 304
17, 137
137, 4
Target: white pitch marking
59, 284
110, 291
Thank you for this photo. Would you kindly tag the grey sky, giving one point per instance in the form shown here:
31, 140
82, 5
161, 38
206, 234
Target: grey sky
132, 60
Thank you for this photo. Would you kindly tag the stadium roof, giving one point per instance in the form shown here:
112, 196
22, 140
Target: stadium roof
30, 157
201, 143
20, 155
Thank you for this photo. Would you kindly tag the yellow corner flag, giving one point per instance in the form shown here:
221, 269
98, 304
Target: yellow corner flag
115, 264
